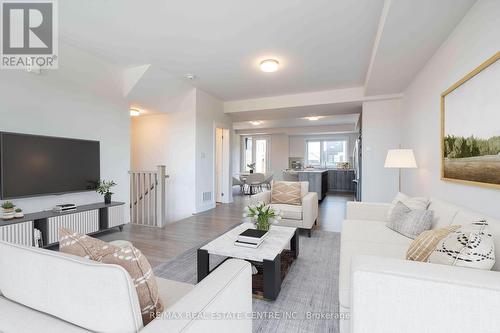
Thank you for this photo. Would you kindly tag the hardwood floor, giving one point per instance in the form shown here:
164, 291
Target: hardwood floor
160, 245
332, 211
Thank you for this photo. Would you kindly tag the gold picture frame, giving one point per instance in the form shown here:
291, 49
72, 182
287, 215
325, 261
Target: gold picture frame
451, 167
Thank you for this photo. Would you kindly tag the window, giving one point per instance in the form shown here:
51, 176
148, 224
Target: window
326, 153
255, 150
314, 152
247, 153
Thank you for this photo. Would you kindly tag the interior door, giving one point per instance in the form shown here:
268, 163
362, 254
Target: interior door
261, 155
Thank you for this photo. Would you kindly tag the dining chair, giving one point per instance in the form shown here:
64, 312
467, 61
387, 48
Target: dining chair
238, 182
255, 181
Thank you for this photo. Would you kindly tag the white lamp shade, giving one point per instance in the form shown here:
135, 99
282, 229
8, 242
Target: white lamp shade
400, 158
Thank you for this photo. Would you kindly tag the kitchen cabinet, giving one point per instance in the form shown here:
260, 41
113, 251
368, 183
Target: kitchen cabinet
341, 180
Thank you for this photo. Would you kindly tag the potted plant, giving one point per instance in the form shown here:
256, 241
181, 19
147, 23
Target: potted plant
103, 188
262, 215
8, 210
251, 166
19, 213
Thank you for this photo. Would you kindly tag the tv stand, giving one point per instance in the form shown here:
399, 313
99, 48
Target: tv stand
86, 219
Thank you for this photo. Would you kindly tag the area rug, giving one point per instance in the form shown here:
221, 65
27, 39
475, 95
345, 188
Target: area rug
308, 300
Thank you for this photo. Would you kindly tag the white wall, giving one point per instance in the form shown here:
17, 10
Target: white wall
209, 115
381, 131
169, 139
279, 155
57, 103
474, 40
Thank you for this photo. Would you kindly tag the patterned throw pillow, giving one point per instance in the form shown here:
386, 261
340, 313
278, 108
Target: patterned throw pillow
411, 202
286, 193
130, 258
421, 248
471, 246
409, 222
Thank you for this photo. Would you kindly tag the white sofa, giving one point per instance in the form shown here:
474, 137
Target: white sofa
385, 293
46, 291
303, 216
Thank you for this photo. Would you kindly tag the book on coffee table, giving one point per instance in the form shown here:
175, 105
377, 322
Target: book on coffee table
251, 238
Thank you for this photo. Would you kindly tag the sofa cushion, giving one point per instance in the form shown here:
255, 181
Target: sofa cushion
371, 231
443, 213
409, 222
21, 319
422, 246
172, 291
349, 249
290, 212
91, 295
471, 246
410, 202
286, 193
128, 257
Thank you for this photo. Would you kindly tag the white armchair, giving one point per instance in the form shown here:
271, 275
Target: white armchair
303, 216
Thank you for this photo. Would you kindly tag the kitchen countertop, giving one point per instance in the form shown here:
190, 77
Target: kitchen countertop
318, 171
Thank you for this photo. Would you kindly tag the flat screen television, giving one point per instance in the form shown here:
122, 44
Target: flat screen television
34, 165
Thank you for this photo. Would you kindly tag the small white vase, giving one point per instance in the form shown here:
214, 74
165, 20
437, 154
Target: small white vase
19, 215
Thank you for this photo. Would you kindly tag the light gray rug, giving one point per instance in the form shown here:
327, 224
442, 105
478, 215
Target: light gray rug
309, 289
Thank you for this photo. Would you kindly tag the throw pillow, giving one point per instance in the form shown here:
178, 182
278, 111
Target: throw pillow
130, 258
421, 248
409, 222
471, 246
411, 202
286, 193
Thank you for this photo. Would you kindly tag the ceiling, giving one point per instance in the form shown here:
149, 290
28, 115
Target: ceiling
222, 41
375, 45
345, 119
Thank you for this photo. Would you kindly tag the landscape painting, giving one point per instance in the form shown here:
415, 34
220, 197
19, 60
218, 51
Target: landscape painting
470, 127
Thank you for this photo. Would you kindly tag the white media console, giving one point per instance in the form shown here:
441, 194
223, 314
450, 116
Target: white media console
86, 219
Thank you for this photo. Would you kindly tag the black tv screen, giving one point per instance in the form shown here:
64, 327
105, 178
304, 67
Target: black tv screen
33, 165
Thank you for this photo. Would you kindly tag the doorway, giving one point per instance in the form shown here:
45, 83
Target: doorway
222, 153
255, 149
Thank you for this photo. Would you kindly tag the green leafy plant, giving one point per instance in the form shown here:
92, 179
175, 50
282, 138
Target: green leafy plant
103, 187
18, 210
262, 215
8, 205
251, 166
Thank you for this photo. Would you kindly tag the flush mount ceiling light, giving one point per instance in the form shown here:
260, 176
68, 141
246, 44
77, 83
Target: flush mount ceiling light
269, 65
314, 118
135, 112
256, 122
190, 76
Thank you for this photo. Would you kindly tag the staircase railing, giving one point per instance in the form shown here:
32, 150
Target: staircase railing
147, 197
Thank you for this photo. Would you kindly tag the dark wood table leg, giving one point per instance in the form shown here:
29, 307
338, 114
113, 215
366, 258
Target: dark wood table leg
272, 277
203, 264
294, 244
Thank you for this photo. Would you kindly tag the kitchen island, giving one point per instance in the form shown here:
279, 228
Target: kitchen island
318, 181
322, 181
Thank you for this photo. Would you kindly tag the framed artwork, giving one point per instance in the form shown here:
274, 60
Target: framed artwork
470, 127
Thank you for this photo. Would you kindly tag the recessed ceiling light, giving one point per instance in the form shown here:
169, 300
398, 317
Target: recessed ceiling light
256, 122
269, 65
190, 76
312, 118
135, 112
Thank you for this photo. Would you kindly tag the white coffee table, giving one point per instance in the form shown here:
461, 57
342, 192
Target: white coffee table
268, 254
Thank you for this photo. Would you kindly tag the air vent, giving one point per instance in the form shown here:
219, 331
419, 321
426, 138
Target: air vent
207, 196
